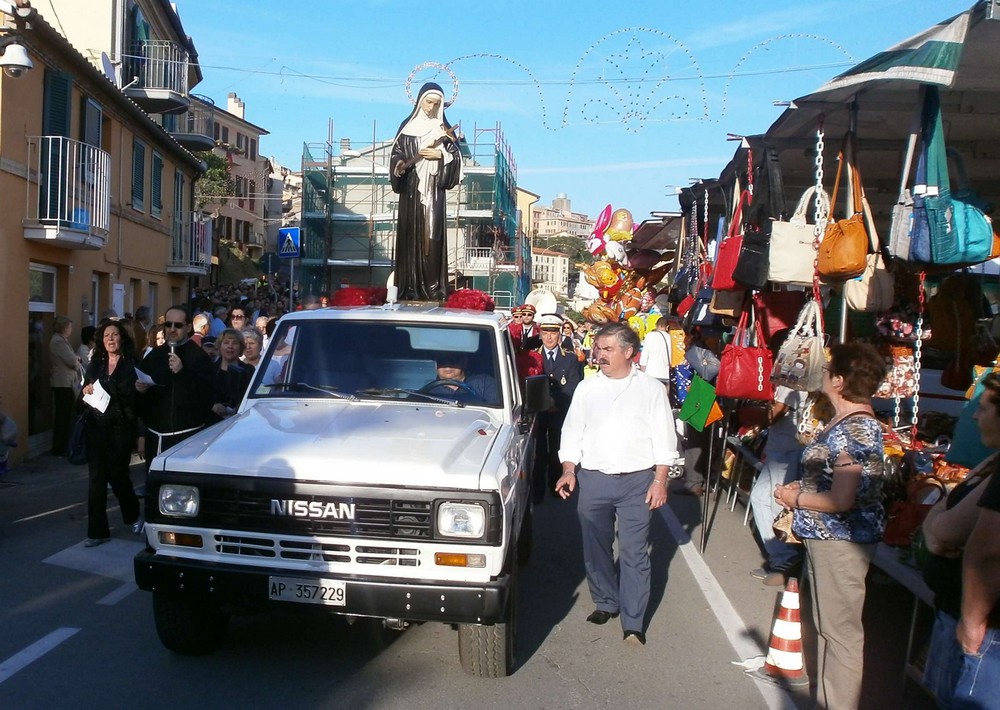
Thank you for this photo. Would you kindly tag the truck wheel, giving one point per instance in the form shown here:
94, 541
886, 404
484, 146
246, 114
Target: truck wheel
525, 540
488, 651
186, 626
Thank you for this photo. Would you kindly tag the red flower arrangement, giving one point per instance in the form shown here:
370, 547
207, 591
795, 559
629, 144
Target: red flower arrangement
470, 299
359, 296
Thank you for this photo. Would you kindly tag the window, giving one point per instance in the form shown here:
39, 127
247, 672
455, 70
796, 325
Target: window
253, 195
91, 118
41, 288
253, 149
225, 134
241, 143
218, 134
138, 175
156, 186
241, 189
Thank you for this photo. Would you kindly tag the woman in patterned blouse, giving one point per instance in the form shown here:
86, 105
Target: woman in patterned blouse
838, 514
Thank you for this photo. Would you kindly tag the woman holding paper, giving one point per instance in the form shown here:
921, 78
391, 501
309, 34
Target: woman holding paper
109, 392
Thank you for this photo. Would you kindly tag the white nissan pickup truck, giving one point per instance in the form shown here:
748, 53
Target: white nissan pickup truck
378, 466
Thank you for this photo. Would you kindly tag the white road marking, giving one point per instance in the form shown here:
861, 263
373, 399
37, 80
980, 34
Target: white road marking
33, 652
50, 512
732, 625
116, 596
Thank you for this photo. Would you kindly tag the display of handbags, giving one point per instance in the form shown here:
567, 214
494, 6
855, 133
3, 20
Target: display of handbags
729, 250
875, 290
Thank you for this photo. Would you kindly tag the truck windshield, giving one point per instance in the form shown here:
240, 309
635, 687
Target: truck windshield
380, 360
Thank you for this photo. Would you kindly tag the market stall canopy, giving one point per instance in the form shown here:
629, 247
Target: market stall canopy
881, 98
659, 234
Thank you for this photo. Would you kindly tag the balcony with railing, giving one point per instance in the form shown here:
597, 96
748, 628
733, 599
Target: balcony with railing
483, 260
69, 193
155, 73
194, 129
191, 245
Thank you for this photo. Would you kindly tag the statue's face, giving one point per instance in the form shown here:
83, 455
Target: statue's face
429, 104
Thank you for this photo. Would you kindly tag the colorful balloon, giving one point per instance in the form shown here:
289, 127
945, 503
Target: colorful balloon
620, 229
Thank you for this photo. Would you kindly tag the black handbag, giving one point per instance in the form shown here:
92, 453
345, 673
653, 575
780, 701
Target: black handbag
76, 449
753, 262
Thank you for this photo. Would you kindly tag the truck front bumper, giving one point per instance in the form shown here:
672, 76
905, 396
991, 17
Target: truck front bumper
245, 587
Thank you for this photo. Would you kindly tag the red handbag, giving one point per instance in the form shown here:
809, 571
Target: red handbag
729, 251
778, 310
745, 365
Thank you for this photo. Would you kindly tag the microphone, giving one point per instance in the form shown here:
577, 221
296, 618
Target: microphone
172, 349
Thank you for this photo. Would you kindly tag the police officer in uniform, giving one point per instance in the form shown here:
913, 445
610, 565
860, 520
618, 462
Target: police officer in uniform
563, 370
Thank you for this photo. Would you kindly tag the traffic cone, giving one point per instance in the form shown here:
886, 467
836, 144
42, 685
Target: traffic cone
784, 655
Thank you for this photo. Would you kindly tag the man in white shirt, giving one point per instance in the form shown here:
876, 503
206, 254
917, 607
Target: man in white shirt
655, 357
618, 443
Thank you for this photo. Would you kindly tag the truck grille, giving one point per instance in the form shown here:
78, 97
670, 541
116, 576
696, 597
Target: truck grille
312, 551
349, 516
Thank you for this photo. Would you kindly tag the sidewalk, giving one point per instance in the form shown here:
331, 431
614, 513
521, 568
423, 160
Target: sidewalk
731, 553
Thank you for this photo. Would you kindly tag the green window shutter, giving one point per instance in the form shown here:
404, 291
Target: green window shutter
138, 176
56, 112
156, 186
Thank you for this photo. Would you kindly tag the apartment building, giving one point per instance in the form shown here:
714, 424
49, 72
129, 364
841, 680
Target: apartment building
98, 197
550, 270
559, 218
239, 218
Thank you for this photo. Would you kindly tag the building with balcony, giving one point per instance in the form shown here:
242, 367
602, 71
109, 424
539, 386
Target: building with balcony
547, 221
347, 211
239, 217
550, 270
99, 211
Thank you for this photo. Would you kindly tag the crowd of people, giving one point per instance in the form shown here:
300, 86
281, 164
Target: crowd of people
610, 436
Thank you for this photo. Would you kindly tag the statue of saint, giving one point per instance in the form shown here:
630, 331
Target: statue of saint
424, 163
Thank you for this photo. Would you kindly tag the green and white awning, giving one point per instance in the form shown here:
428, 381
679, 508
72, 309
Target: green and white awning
930, 57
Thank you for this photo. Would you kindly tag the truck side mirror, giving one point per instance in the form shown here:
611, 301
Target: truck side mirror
537, 396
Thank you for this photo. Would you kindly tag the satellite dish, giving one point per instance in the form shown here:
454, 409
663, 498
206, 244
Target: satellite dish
109, 68
543, 300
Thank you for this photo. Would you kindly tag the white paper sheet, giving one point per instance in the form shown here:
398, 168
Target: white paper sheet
143, 377
99, 398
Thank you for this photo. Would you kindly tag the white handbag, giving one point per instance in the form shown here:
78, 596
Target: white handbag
799, 362
792, 255
875, 290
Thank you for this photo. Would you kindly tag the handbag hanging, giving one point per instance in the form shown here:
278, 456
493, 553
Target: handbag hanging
745, 365
699, 406
782, 527
799, 363
729, 250
752, 264
728, 304
845, 242
778, 310
875, 290
792, 250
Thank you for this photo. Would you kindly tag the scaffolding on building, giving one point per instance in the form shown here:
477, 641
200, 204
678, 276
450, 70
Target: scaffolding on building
348, 217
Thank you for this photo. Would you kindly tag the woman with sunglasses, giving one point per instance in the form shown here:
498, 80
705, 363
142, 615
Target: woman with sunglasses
838, 514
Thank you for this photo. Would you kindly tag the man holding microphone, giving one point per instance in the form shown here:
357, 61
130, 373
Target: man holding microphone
180, 400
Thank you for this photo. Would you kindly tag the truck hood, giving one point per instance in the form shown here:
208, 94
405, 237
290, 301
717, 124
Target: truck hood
343, 442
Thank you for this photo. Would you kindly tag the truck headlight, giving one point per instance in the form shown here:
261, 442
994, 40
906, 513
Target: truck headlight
461, 520
179, 501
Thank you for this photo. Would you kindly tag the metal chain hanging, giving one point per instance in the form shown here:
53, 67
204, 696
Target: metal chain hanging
916, 357
819, 212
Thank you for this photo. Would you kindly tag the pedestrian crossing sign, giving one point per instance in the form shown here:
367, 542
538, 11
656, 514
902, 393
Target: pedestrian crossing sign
289, 242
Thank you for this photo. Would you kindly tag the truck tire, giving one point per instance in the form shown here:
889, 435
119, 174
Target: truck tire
487, 651
188, 627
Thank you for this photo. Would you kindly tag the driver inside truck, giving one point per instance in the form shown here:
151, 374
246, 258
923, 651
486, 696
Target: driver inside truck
453, 380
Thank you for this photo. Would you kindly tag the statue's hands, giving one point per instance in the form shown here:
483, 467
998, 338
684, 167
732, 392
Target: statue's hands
431, 153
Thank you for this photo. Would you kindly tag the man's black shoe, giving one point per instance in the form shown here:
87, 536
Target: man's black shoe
635, 638
599, 616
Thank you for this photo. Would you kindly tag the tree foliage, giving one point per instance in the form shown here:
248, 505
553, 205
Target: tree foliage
572, 246
217, 181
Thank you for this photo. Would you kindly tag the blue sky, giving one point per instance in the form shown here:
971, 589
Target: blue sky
608, 102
